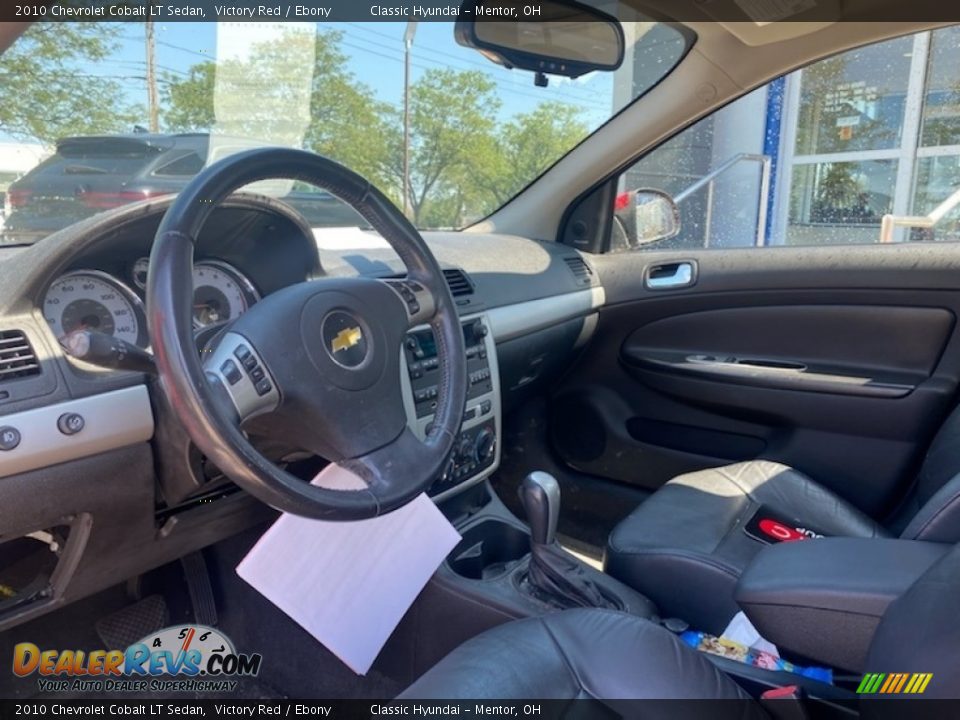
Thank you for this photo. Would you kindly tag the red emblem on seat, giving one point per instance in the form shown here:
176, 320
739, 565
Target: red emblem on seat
779, 531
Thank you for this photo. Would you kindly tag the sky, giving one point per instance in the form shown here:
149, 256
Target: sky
375, 52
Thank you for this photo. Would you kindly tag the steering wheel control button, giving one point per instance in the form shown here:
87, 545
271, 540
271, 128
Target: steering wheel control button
257, 374
70, 423
231, 372
9, 438
245, 357
263, 387
344, 339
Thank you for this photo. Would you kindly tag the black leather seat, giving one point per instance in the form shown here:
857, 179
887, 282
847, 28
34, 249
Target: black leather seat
685, 546
575, 654
607, 655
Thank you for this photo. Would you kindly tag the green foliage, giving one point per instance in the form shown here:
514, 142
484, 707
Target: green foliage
345, 120
43, 94
526, 146
187, 104
452, 118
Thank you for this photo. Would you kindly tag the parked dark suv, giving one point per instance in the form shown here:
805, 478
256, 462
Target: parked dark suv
92, 173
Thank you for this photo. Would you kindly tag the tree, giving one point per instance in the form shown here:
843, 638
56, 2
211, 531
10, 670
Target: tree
452, 119
45, 96
188, 102
345, 121
525, 147
461, 165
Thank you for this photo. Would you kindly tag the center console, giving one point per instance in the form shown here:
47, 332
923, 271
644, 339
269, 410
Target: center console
823, 599
476, 452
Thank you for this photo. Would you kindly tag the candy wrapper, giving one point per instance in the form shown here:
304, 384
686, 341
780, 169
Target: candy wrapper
758, 658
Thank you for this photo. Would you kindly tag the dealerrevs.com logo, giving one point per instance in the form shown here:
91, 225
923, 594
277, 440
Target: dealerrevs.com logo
176, 659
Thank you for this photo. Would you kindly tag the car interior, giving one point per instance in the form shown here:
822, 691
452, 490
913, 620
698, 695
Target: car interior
632, 443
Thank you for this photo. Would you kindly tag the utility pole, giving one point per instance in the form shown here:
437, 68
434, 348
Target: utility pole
407, 46
152, 105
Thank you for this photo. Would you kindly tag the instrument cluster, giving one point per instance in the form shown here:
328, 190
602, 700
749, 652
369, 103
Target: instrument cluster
95, 300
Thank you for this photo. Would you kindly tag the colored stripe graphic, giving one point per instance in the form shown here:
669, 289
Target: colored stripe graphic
894, 683
870, 683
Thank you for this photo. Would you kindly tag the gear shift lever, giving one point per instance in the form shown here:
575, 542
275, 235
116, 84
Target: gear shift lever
553, 575
540, 495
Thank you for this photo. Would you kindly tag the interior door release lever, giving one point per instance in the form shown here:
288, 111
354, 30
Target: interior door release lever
668, 276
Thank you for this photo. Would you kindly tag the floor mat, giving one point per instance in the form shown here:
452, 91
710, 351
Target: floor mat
127, 625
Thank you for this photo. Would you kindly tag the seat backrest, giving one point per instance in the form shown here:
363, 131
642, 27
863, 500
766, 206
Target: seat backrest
920, 631
932, 511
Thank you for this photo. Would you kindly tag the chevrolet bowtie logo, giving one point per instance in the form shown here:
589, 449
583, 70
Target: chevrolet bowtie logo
346, 339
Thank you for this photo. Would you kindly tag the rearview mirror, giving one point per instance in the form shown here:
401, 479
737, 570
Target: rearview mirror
555, 37
647, 216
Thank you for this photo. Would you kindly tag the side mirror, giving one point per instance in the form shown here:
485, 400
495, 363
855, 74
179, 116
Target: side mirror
647, 215
555, 37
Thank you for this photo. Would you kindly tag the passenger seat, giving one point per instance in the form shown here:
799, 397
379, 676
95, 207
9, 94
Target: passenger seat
686, 546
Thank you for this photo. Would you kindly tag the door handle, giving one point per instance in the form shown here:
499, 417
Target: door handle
669, 276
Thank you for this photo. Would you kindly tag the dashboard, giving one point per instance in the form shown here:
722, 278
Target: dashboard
122, 487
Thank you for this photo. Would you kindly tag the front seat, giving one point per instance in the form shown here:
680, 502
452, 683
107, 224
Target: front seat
607, 655
686, 546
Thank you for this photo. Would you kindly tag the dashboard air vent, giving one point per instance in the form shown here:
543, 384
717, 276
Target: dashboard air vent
458, 282
17, 358
581, 271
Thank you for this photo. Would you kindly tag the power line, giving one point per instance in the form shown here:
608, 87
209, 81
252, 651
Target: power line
595, 95
576, 101
596, 103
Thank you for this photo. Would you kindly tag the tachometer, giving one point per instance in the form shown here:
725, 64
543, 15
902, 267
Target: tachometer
220, 293
93, 300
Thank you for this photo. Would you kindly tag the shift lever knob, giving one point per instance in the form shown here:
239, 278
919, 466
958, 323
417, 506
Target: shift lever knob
540, 495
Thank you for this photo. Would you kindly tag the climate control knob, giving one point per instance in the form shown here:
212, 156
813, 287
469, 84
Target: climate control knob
465, 449
485, 445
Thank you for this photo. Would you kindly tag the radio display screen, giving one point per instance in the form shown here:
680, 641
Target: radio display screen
428, 343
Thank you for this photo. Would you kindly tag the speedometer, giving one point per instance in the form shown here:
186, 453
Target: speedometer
220, 293
92, 300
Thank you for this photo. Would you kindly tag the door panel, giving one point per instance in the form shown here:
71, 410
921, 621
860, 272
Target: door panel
839, 362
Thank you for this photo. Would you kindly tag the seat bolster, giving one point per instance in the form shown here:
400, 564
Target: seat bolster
938, 520
583, 653
695, 587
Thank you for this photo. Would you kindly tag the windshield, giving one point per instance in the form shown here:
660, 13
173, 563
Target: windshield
97, 115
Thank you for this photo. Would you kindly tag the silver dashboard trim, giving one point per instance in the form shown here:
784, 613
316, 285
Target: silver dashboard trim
112, 420
419, 425
512, 321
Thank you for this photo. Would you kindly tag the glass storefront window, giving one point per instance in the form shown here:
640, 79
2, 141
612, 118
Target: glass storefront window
937, 179
840, 202
941, 107
854, 101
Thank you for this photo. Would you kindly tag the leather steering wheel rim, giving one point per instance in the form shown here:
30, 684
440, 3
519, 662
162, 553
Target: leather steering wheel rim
392, 473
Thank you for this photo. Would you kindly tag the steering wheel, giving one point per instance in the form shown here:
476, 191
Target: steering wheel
321, 360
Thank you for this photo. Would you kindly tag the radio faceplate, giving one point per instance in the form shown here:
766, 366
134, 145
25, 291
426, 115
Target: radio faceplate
476, 452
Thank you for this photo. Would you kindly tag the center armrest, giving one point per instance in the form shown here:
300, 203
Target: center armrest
824, 598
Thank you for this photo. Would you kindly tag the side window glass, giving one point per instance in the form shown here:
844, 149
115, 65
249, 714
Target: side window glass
863, 147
